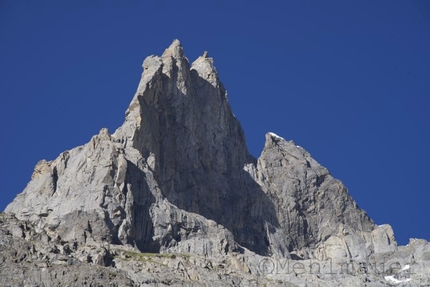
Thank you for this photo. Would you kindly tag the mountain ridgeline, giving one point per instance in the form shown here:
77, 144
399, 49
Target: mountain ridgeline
175, 182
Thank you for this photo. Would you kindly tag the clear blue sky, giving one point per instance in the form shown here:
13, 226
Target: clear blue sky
347, 80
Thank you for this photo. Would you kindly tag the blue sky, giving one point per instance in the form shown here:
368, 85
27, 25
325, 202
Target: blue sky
347, 80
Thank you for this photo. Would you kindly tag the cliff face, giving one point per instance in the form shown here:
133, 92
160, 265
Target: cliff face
177, 178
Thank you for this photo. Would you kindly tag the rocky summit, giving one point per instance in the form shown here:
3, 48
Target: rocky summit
173, 198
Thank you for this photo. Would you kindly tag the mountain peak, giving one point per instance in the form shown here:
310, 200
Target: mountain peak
177, 177
175, 50
206, 70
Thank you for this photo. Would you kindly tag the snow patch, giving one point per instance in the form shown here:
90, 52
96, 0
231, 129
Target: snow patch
392, 280
274, 135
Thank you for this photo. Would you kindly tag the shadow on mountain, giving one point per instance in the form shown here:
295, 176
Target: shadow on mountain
141, 235
200, 155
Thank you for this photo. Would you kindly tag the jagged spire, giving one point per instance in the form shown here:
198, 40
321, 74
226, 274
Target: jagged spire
175, 50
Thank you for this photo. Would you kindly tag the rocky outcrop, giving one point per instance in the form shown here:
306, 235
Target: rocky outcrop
311, 205
176, 178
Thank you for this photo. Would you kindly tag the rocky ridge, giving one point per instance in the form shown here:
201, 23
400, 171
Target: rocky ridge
173, 197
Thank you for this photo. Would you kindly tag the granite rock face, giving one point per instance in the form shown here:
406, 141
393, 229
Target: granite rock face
311, 205
176, 178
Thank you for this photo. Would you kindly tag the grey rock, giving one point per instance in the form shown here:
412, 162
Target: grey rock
311, 205
173, 197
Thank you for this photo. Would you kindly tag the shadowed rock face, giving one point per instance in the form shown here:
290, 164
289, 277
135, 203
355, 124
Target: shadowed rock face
177, 177
180, 121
